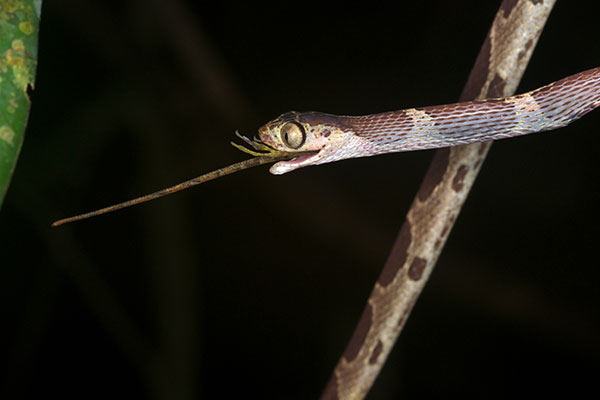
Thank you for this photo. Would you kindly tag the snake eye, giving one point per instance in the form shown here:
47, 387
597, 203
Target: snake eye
292, 135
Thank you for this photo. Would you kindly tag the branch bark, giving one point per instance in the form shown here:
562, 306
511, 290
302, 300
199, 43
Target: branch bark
497, 72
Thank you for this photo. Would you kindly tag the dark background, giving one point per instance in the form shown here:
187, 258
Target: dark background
250, 286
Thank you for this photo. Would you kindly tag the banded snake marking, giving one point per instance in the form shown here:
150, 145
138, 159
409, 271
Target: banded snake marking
317, 138
335, 138
312, 138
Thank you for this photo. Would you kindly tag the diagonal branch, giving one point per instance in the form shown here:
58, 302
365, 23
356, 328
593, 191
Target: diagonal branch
496, 73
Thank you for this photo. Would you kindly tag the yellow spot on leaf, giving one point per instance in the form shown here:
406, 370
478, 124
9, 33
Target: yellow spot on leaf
18, 45
26, 27
12, 106
10, 6
7, 134
14, 61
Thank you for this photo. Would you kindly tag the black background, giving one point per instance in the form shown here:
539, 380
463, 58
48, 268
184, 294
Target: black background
251, 285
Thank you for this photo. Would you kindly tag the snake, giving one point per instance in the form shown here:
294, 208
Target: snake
332, 138
324, 138
496, 73
313, 138
300, 139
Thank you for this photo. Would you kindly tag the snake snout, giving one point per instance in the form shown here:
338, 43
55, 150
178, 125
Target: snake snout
265, 135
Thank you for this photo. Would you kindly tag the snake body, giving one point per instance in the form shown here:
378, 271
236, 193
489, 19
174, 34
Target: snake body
313, 138
336, 138
496, 74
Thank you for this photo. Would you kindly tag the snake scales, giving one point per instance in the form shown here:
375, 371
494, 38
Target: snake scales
340, 137
316, 138
334, 138
313, 138
497, 71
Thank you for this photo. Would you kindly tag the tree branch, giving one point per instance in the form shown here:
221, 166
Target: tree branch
497, 72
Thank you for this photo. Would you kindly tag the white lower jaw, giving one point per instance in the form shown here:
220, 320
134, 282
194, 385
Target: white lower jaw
282, 167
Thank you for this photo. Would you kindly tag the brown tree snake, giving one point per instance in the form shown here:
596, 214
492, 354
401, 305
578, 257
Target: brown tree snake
299, 139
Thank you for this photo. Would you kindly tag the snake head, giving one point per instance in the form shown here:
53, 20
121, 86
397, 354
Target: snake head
293, 132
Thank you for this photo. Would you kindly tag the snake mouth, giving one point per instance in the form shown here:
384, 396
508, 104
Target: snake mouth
288, 160
300, 161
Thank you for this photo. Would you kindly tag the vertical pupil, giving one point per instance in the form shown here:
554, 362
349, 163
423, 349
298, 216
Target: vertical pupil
292, 135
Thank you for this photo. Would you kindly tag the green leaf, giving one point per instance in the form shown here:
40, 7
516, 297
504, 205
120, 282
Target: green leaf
19, 26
